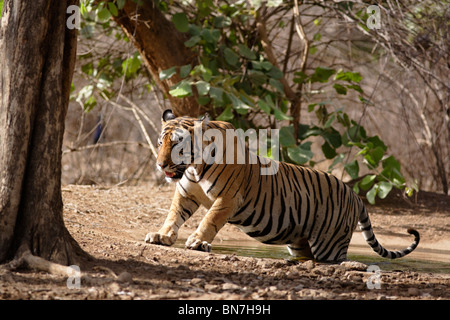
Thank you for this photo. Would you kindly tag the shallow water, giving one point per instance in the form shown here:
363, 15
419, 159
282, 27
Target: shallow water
421, 260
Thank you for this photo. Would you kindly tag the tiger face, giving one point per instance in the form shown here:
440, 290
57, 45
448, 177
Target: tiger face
175, 144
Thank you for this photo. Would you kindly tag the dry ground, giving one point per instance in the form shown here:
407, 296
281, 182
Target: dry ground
111, 223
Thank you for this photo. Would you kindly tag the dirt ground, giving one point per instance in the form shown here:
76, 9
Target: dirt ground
111, 223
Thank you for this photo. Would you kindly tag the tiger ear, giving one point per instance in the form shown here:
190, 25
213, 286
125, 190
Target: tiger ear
205, 118
167, 115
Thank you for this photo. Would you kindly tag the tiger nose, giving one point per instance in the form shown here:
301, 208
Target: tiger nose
162, 164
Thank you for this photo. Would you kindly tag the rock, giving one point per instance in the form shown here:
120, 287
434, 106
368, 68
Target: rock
125, 277
413, 291
230, 286
197, 281
308, 265
114, 287
298, 287
354, 265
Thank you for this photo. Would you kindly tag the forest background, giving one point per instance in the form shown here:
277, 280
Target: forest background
360, 89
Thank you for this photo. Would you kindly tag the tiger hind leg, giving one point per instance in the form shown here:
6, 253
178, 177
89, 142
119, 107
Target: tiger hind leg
331, 250
300, 249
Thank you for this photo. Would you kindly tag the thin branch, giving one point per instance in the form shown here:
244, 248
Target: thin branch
288, 50
302, 35
136, 110
260, 24
104, 145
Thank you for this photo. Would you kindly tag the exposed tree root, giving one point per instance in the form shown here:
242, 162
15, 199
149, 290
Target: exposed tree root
27, 260
31, 262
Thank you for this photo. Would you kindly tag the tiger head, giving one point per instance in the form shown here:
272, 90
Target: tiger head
176, 145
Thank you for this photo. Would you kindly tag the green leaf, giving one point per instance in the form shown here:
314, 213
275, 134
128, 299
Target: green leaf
257, 77
365, 101
264, 106
371, 194
103, 14
246, 52
181, 90
374, 156
328, 151
275, 73
192, 41
277, 85
216, 94
168, 73
240, 106
226, 115
231, 57
340, 157
184, 70
131, 65
83, 9
266, 65
299, 154
384, 189
391, 162
210, 35
355, 87
181, 22
203, 100
340, 89
330, 120
367, 182
222, 21
322, 74
376, 141
299, 77
333, 137
348, 76
113, 9
352, 169
287, 136
280, 115
202, 87
88, 68
206, 73
262, 65
356, 188
121, 4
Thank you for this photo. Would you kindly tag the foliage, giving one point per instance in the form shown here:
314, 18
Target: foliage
101, 72
235, 81
232, 77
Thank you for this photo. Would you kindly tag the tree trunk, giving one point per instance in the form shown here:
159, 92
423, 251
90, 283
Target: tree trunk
37, 58
161, 47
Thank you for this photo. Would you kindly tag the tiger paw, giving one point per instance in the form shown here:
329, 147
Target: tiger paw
158, 238
197, 244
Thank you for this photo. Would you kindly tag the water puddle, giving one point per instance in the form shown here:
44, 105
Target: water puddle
421, 260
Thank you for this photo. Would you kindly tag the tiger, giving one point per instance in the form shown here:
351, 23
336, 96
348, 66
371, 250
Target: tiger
310, 211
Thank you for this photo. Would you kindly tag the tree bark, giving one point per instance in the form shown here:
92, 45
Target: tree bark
37, 58
161, 47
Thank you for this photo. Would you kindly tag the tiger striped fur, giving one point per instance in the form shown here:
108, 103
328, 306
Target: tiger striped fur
311, 211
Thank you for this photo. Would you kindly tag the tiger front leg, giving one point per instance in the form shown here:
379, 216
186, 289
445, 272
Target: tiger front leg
214, 220
181, 209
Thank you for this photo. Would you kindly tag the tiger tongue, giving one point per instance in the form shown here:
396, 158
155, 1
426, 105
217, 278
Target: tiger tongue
169, 174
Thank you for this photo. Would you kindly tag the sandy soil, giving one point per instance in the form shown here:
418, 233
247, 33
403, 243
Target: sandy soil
111, 223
